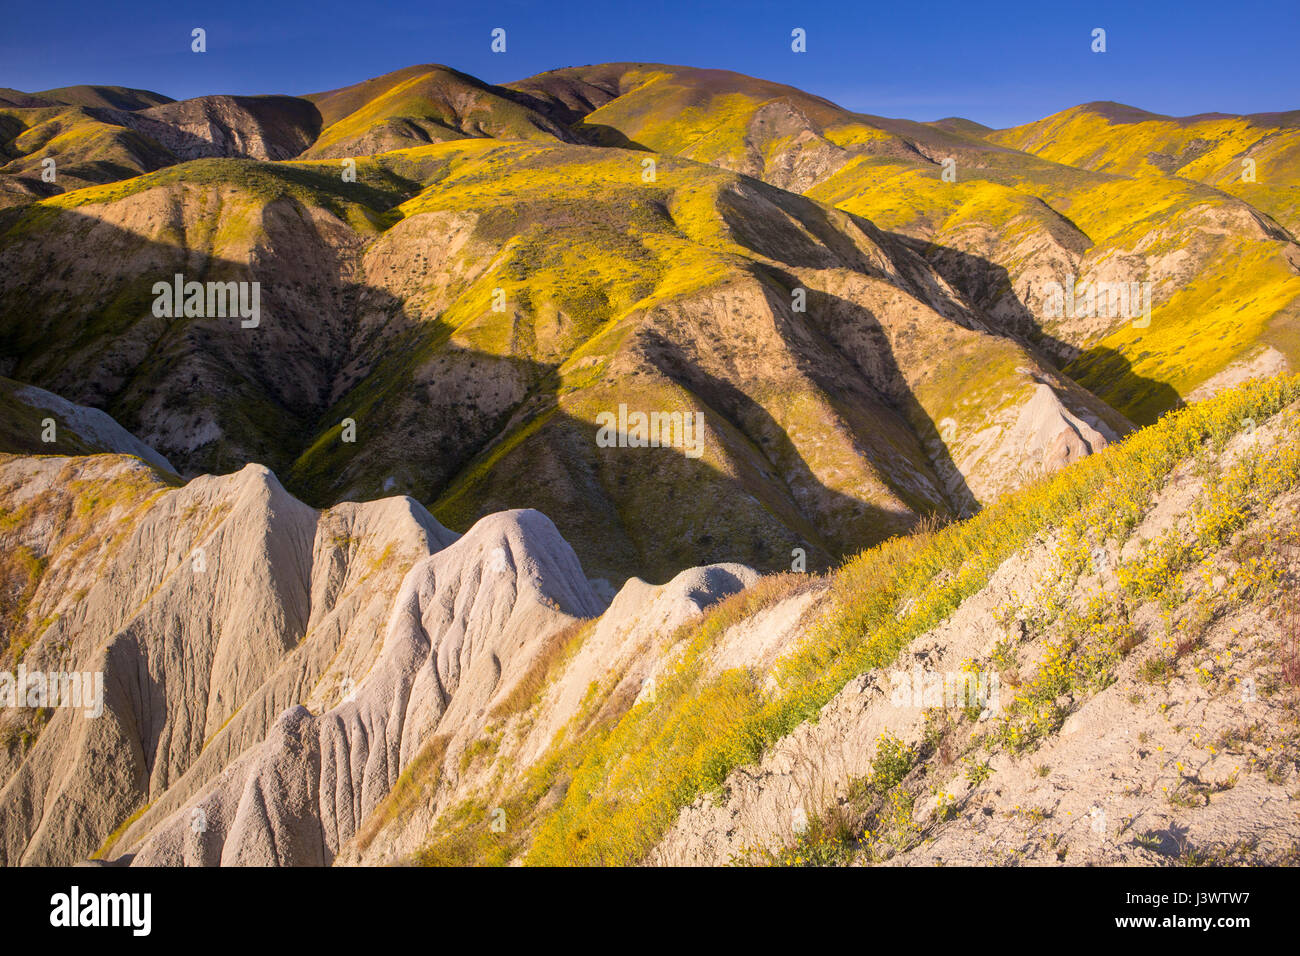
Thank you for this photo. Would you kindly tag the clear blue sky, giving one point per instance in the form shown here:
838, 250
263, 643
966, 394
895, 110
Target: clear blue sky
998, 63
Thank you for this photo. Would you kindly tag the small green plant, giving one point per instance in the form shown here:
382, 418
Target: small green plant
891, 763
945, 808
1156, 670
977, 772
895, 830
1188, 795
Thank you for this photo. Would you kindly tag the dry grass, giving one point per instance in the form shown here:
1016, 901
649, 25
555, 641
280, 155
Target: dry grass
528, 689
416, 785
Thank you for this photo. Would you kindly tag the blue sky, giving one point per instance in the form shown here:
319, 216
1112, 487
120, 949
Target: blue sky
997, 63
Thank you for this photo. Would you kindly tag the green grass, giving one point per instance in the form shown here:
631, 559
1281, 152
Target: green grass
106, 847
628, 786
313, 184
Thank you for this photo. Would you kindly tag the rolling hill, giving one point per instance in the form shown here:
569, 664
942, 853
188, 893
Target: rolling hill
397, 553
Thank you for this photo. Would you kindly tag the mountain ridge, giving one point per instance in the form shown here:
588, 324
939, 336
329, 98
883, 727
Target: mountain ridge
371, 578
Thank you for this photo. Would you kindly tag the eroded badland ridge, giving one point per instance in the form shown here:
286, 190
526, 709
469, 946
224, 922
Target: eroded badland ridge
321, 447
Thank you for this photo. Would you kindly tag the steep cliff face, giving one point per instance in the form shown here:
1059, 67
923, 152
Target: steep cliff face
269, 671
242, 127
465, 627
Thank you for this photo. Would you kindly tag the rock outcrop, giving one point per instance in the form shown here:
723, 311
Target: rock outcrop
464, 627
209, 609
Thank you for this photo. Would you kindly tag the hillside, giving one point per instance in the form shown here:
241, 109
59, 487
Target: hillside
1210, 149
421, 105
1145, 642
1068, 196
721, 717
572, 471
1101, 191
882, 399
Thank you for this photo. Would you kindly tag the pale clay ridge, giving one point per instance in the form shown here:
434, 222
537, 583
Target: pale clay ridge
1038, 436
96, 428
631, 638
197, 664
207, 672
462, 627
629, 644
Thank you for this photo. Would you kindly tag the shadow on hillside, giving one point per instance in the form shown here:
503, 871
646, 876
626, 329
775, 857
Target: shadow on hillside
834, 523
464, 431
1104, 371
598, 134
263, 114
853, 332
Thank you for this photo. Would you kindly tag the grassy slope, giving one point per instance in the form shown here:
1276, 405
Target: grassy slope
1205, 149
628, 776
310, 183
1243, 296
114, 97
580, 243
225, 200
430, 103
586, 246
1116, 173
22, 425
709, 115
580, 238
1124, 184
85, 149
